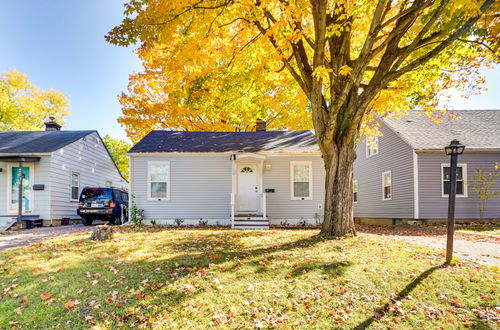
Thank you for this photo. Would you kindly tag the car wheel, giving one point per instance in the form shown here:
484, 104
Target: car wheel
87, 221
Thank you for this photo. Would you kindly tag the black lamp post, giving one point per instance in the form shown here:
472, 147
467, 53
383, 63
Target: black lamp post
453, 150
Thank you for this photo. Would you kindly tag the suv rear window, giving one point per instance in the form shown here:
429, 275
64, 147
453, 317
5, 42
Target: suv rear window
90, 195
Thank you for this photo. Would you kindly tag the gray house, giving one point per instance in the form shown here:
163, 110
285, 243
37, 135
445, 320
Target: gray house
242, 179
404, 174
56, 165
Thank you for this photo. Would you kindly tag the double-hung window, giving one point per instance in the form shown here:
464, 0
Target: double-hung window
387, 185
159, 180
461, 180
371, 146
301, 180
75, 185
355, 191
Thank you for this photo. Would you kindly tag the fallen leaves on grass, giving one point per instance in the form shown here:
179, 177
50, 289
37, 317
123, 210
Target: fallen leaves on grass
70, 304
46, 296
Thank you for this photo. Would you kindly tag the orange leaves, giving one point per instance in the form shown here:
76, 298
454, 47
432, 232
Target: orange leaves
70, 304
46, 296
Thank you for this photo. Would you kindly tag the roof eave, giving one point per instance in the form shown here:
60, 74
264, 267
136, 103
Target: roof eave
220, 152
25, 154
467, 150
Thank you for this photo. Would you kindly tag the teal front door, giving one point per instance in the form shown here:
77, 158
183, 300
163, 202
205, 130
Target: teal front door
14, 190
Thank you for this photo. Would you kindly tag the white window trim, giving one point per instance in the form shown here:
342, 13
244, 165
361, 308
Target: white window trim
464, 173
169, 181
71, 186
383, 186
368, 147
357, 183
292, 164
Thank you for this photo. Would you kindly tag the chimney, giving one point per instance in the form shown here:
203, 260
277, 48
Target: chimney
260, 125
51, 125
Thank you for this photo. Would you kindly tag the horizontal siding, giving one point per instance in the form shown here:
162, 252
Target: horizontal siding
434, 206
279, 204
200, 187
394, 155
88, 157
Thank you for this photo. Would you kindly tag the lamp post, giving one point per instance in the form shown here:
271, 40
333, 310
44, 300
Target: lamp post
453, 150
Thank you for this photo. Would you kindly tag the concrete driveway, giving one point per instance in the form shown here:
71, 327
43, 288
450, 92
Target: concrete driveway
482, 249
12, 239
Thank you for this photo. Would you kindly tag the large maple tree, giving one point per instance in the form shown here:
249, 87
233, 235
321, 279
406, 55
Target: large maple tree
351, 59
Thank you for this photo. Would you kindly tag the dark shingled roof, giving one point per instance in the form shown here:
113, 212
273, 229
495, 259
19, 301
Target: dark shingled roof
27, 142
270, 141
476, 129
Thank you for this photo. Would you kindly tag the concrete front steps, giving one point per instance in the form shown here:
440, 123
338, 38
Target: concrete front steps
250, 222
6, 222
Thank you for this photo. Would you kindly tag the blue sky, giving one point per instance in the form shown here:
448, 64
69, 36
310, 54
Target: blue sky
60, 44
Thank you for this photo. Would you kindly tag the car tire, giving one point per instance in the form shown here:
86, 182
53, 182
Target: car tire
87, 221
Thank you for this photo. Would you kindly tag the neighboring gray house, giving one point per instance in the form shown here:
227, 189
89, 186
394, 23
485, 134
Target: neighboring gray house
246, 179
56, 166
403, 174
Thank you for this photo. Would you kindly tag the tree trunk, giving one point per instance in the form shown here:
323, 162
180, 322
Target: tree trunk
338, 215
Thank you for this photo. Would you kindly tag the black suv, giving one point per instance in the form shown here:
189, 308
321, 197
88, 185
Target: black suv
97, 203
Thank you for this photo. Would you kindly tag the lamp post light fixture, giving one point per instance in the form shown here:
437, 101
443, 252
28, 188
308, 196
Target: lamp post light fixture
453, 150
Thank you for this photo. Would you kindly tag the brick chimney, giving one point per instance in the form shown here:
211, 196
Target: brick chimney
51, 125
260, 125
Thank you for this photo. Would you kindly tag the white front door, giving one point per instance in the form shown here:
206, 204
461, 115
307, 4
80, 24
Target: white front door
247, 188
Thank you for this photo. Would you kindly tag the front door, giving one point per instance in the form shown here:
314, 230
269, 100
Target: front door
14, 189
247, 188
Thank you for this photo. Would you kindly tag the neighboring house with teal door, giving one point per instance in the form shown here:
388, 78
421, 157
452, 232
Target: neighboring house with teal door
56, 165
403, 175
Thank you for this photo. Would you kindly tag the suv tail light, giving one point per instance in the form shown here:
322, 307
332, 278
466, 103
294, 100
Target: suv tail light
112, 204
80, 205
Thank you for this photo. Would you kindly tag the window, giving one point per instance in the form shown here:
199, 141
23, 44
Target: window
301, 180
355, 191
159, 180
387, 185
371, 146
75, 185
246, 170
461, 180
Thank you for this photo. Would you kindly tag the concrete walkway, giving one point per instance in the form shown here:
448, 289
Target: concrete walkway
12, 239
483, 250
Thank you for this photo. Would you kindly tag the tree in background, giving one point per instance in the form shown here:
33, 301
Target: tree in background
482, 183
118, 150
352, 59
26, 107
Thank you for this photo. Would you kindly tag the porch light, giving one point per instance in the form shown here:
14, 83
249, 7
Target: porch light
455, 148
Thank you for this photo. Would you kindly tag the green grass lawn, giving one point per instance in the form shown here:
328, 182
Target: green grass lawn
153, 277
490, 229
